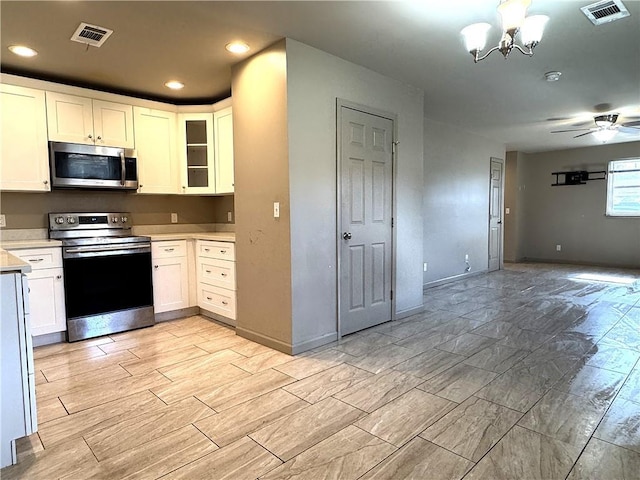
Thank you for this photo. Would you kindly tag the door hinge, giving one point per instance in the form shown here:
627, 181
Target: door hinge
391, 295
392, 222
393, 147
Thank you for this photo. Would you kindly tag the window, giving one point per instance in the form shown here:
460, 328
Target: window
623, 188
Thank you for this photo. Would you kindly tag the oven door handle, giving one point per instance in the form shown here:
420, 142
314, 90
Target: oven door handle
122, 168
124, 249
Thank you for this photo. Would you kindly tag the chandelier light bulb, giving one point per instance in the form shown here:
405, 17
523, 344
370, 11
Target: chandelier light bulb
533, 28
475, 36
513, 13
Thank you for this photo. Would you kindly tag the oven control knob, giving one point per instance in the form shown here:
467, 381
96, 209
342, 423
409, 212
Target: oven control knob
115, 219
71, 220
125, 219
59, 220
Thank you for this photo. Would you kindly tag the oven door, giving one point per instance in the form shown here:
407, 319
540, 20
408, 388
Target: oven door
87, 166
108, 289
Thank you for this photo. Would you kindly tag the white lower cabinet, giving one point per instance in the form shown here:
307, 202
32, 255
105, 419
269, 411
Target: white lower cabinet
170, 275
46, 289
216, 277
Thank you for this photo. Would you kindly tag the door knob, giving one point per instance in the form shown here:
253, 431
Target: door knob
346, 235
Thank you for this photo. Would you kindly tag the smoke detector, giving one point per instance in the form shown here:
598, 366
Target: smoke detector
605, 11
91, 34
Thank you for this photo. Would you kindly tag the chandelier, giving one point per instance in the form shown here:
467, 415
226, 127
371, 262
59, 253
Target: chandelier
514, 22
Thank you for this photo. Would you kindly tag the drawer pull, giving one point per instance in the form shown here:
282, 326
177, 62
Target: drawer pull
209, 298
223, 251
225, 303
206, 249
223, 274
36, 260
169, 249
208, 271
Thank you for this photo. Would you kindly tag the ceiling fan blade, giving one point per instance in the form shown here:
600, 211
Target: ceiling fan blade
627, 129
572, 130
634, 124
583, 134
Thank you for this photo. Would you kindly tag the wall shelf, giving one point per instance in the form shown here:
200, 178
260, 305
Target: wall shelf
577, 177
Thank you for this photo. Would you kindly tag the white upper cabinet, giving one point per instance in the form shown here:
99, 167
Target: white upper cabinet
155, 133
223, 123
206, 152
197, 153
24, 165
88, 121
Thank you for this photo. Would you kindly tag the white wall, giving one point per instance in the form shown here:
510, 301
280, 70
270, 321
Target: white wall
456, 200
315, 80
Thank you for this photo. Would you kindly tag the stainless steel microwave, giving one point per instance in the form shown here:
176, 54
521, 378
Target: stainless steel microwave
88, 166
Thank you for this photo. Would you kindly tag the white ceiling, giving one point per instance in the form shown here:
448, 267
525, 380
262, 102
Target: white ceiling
417, 42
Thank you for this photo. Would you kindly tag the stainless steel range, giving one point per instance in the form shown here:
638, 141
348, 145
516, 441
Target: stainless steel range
107, 273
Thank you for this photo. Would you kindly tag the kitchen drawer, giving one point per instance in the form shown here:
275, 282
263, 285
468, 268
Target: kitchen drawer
217, 300
221, 273
169, 249
220, 250
40, 258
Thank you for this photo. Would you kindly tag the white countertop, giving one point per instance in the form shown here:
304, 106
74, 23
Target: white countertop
216, 236
10, 263
22, 244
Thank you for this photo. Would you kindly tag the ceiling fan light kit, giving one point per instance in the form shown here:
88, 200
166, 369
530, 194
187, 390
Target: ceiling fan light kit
514, 22
606, 128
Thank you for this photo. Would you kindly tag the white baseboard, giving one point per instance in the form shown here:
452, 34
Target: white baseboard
444, 281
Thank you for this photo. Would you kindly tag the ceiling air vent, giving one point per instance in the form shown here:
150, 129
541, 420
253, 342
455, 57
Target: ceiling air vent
91, 34
605, 11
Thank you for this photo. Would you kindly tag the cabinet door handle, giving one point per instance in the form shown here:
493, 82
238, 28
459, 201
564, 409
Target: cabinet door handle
208, 271
169, 249
46, 182
225, 303
209, 298
90, 137
58, 277
223, 251
155, 266
223, 274
206, 249
99, 138
36, 260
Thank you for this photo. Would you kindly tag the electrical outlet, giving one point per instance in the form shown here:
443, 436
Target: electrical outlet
229, 217
558, 248
174, 218
3, 221
425, 265
276, 209
507, 211
466, 257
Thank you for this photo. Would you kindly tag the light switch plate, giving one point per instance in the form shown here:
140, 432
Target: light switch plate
276, 209
174, 218
3, 221
229, 217
507, 211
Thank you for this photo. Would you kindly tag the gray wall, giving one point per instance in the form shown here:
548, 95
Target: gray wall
574, 216
315, 80
456, 200
263, 268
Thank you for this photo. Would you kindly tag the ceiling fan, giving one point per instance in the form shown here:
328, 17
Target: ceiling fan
606, 127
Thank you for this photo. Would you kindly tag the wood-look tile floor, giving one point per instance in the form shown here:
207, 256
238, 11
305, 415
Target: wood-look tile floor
532, 372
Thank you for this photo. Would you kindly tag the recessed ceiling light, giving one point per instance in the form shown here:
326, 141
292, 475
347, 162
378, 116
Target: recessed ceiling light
237, 47
23, 51
174, 85
552, 76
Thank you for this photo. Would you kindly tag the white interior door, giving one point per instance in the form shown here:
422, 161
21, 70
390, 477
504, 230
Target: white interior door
495, 215
365, 236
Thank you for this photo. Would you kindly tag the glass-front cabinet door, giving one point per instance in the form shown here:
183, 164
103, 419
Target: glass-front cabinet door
197, 153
